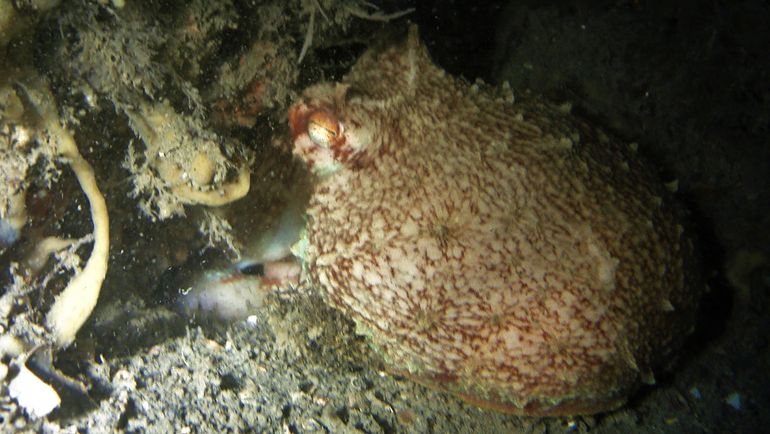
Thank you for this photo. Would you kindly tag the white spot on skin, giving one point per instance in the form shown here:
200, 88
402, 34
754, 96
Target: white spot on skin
409, 228
433, 253
357, 270
372, 278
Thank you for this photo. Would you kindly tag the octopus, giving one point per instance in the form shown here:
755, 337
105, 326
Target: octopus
504, 251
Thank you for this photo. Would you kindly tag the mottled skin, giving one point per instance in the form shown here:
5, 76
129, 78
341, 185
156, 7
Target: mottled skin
507, 252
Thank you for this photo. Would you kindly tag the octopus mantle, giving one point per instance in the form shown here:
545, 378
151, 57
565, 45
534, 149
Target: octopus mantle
506, 252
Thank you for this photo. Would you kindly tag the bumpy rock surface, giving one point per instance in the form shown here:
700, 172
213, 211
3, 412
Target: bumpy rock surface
507, 252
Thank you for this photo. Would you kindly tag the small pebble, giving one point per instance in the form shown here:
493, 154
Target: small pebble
35, 396
695, 392
734, 400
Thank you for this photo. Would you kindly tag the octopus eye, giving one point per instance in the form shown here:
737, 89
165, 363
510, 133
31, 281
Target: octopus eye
323, 129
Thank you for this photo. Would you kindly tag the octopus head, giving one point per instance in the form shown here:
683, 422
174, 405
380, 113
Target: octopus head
333, 128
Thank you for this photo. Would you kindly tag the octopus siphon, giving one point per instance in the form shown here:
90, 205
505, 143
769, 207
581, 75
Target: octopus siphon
507, 252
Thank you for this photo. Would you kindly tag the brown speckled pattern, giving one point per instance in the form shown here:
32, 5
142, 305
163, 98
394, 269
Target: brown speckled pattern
506, 252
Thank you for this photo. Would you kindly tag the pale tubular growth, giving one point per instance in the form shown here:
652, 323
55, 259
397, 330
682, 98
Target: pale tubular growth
218, 197
73, 306
192, 181
43, 249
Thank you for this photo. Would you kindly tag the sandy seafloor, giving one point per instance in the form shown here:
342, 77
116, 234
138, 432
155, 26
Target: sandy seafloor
689, 82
